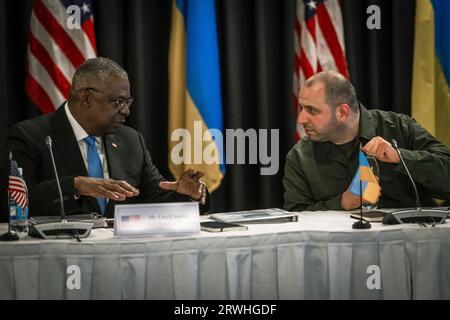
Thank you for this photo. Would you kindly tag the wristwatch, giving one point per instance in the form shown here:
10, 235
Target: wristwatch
203, 190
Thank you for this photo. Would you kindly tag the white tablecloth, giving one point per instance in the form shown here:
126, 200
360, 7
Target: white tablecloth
318, 257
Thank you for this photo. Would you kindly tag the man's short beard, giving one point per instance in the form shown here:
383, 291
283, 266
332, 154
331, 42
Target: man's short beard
337, 133
334, 133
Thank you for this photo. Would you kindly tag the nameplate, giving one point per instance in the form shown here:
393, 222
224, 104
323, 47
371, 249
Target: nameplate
156, 219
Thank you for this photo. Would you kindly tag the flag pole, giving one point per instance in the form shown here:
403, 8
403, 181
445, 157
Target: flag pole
9, 236
360, 198
361, 224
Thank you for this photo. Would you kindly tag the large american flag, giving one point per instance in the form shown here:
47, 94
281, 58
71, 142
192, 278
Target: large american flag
17, 187
55, 51
318, 43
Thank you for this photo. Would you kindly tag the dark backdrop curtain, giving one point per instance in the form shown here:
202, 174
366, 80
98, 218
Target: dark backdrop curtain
380, 61
256, 59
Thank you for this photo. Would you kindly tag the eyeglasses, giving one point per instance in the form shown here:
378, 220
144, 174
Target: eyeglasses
117, 103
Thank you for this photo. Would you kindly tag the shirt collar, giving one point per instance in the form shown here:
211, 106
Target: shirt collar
367, 125
80, 133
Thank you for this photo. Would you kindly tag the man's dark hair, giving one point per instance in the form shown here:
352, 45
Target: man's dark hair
338, 89
96, 71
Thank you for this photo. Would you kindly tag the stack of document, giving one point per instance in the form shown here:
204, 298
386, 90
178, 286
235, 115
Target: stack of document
370, 216
273, 215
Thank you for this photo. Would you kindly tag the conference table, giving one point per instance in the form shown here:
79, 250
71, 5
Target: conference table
318, 257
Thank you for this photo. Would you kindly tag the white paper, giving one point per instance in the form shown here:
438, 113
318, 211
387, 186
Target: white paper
263, 215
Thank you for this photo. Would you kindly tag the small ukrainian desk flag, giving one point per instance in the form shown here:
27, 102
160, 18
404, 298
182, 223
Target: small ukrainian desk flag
369, 187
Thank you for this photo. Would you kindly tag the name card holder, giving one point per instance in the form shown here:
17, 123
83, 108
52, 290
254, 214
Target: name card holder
156, 219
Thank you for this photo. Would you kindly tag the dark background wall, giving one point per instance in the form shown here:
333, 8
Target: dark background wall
256, 48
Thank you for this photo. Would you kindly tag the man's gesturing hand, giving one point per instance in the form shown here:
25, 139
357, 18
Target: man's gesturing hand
104, 188
382, 150
189, 184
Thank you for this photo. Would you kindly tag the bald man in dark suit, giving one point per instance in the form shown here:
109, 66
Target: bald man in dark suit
94, 116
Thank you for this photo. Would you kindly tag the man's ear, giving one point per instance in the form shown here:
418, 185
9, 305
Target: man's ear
343, 111
85, 98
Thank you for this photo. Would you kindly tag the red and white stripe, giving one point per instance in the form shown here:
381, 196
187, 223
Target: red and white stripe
54, 53
318, 44
17, 190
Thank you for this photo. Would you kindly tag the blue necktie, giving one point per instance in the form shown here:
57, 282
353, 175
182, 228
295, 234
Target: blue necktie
95, 167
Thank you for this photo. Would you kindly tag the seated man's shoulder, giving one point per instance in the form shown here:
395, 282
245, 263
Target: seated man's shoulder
129, 137
390, 116
128, 132
302, 148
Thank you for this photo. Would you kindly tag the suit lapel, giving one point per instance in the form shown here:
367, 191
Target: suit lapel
113, 155
65, 147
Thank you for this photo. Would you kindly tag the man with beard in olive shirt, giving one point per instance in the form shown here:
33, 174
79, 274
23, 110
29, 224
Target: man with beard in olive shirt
320, 167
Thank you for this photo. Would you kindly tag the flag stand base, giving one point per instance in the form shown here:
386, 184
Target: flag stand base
9, 236
361, 225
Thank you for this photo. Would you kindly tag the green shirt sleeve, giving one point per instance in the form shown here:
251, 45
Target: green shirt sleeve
428, 160
298, 195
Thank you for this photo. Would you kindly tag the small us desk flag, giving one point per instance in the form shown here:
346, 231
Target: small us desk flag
17, 187
369, 187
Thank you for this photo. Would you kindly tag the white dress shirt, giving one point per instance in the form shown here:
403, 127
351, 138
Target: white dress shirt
80, 135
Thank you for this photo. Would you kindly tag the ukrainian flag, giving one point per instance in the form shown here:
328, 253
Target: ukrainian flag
431, 75
195, 101
369, 186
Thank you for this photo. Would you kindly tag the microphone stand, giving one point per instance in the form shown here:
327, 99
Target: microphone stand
418, 214
64, 228
62, 211
361, 224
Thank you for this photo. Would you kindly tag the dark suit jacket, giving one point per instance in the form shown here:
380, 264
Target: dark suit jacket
126, 153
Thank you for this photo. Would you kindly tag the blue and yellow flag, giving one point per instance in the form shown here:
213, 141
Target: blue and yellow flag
431, 74
369, 187
195, 101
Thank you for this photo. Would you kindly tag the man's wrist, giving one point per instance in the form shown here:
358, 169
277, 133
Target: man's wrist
76, 193
202, 198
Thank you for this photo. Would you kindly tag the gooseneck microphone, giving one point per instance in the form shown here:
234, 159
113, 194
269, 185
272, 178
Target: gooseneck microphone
62, 212
62, 229
395, 145
419, 214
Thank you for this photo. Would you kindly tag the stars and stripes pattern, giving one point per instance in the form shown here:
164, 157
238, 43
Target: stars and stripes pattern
318, 43
131, 218
17, 187
56, 49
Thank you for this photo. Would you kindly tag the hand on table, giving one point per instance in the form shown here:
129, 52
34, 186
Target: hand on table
104, 188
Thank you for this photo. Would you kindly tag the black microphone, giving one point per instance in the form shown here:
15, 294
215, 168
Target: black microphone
419, 214
63, 228
418, 205
62, 212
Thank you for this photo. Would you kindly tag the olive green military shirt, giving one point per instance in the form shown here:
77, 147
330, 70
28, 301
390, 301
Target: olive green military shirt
317, 173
